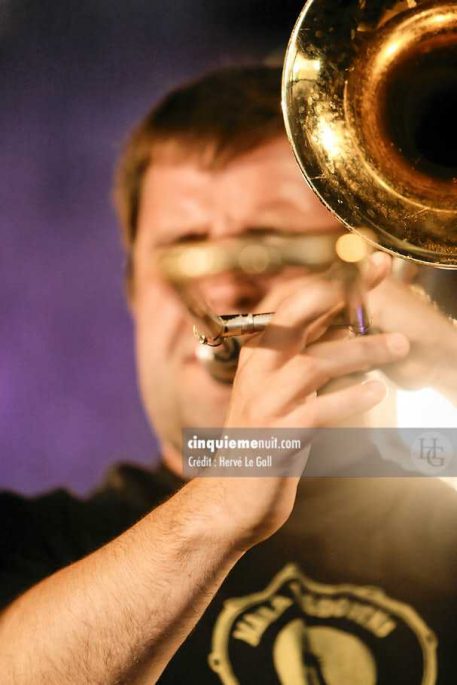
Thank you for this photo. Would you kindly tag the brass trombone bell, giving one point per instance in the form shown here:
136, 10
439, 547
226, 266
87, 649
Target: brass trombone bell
370, 100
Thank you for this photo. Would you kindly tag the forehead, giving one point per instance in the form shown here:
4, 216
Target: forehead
261, 187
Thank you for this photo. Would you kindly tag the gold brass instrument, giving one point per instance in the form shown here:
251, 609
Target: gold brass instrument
184, 265
369, 102
369, 99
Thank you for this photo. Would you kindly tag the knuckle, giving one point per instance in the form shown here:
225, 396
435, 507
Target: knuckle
312, 416
316, 371
370, 352
302, 300
288, 307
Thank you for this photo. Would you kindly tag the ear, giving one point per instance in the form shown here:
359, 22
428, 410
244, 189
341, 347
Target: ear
129, 283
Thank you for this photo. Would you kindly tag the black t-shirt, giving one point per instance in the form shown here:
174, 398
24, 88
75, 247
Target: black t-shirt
358, 588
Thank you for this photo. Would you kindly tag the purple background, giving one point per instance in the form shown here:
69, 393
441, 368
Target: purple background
74, 76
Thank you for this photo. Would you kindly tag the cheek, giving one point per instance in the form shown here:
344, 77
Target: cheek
160, 322
155, 304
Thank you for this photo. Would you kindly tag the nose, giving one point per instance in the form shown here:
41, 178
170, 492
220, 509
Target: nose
233, 293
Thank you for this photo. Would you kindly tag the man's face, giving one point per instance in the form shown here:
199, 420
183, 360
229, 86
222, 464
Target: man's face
262, 189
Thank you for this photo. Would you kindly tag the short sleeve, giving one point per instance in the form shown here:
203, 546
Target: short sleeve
34, 541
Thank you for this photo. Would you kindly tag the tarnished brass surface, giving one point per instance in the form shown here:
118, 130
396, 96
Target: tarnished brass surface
184, 266
369, 101
252, 256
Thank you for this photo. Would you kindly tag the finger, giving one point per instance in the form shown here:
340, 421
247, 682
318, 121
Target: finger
395, 306
288, 331
279, 292
340, 357
281, 289
308, 373
327, 325
376, 269
323, 326
336, 407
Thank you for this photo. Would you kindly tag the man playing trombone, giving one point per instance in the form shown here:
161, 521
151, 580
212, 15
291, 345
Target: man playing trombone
229, 579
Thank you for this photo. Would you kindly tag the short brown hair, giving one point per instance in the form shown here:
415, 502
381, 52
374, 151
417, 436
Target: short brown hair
225, 113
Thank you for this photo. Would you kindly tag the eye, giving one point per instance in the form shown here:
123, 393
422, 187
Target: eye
191, 237
178, 239
263, 232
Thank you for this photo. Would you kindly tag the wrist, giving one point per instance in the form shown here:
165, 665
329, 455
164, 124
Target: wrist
208, 518
241, 512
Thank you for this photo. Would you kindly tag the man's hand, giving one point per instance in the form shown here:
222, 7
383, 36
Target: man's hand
395, 306
276, 386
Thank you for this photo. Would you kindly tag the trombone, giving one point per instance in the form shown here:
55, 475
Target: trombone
369, 95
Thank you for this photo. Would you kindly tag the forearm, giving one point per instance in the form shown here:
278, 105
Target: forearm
119, 615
